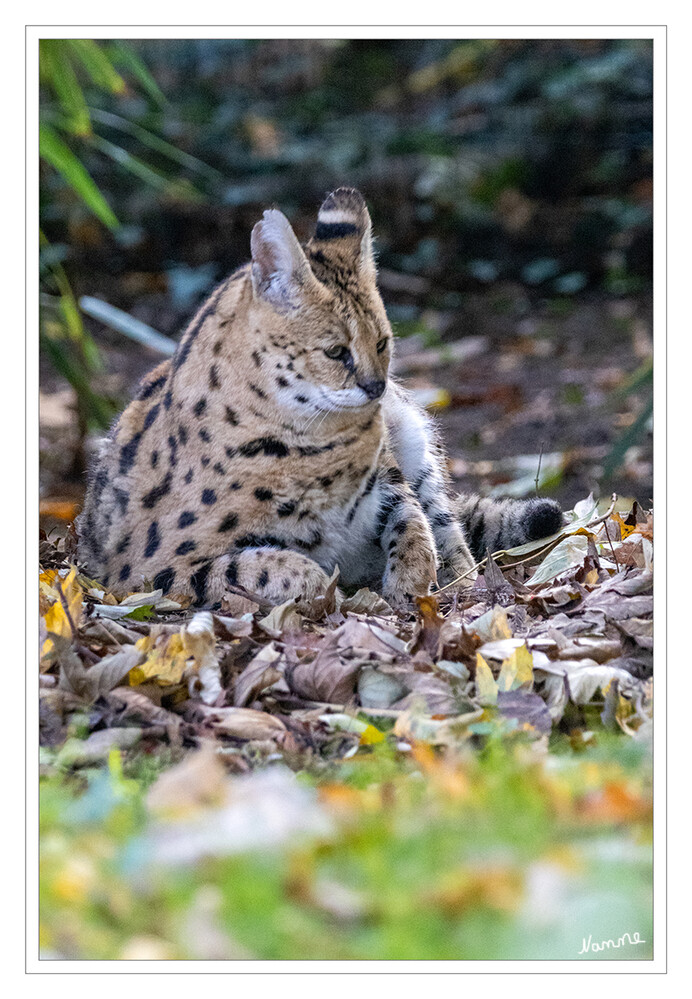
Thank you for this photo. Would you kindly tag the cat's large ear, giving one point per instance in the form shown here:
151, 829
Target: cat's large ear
281, 274
344, 232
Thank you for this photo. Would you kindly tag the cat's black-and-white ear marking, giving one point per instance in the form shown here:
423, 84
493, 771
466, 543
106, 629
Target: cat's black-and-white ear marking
344, 231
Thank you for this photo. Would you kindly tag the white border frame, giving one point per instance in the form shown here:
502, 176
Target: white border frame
658, 34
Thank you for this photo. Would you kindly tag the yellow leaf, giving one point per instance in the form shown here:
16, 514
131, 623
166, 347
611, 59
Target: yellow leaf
499, 625
517, 671
625, 529
486, 688
165, 663
371, 736
55, 618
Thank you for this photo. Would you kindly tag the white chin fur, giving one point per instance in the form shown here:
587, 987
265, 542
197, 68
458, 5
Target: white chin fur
333, 399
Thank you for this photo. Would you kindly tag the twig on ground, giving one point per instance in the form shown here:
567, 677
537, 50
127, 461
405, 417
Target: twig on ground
538, 470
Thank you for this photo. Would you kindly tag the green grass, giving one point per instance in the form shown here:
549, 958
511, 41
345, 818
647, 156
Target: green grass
429, 858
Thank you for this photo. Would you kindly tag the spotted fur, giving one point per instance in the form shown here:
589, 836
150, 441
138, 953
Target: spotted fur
274, 446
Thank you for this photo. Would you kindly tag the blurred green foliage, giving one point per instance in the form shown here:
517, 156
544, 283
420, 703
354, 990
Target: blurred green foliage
73, 72
494, 856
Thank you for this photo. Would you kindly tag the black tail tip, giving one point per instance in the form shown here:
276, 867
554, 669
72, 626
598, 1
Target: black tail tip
543, 517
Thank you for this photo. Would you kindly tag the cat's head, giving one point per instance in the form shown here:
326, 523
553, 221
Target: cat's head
322, 319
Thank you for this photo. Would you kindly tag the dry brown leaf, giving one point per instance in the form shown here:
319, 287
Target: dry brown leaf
245, 723
260, 673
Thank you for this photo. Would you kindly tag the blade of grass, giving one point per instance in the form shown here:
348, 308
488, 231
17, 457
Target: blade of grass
97, 64
153, 142
177, 188
58, 73
124, 55
60, 156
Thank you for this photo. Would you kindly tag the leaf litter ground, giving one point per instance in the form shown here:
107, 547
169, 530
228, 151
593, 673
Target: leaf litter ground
419, 779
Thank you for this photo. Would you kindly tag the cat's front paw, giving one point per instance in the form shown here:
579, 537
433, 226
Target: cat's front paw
405, 581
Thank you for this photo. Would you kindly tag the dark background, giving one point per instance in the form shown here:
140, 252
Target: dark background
510, 186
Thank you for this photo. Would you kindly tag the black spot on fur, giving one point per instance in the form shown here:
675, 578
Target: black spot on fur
128, 453
231, 417
269, 446
185, 548
122, 498
186, 518
204, 435
475, 541
257, 390
123, 544
151, 416
542, 517
282, 382
188, 476
393, 475
198, 582
228, 523
219, 469
264, 494
199, 407
173, 445
217, 347
234, 486
164, 580
124, 573
208, 497
232, 574
214, 382
146, 391
262, 579
286, 509
257, 359
259, 541
185, 345
182, 434
154, 459
301, 398
442, 520
153, 539
313, 542
151, 498
308, 450
205, 460
167, 400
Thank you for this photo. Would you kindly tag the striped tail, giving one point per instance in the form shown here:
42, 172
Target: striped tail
495, 525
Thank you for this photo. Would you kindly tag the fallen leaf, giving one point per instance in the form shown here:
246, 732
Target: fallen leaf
527, 708
165, 663
517, 670
486, 687
260, 673
245, 723
365, 601
199, 641
379, 690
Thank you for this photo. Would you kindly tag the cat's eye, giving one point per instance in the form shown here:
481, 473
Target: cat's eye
382, 344
339, 353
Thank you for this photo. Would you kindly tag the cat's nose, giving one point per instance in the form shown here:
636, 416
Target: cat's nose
373, 388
